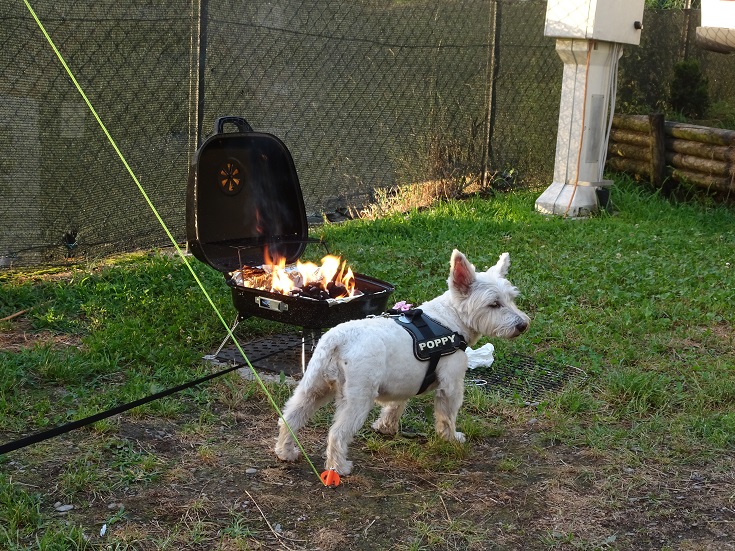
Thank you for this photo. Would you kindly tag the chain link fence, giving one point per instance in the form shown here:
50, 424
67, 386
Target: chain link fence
367, 95
64, 192
364, 94
670, 41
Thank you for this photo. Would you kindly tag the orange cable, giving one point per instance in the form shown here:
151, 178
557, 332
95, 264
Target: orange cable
581, 137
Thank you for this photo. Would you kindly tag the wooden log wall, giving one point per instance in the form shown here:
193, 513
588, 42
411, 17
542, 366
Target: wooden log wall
663, 150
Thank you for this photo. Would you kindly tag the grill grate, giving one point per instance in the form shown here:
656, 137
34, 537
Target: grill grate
275, 353
513, 375
524, 376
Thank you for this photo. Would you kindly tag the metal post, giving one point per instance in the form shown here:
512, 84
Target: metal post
201, 68
487, 156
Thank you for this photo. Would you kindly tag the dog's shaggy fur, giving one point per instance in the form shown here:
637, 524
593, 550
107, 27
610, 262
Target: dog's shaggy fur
367, 361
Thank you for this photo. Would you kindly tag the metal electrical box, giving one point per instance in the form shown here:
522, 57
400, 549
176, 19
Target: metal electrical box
718, 13
608, 20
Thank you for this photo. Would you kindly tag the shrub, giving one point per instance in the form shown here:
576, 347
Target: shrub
689, 93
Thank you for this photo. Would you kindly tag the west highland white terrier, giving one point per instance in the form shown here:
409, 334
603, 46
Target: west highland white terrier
362, 362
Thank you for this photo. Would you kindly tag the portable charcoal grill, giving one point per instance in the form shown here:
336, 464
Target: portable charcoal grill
244, 202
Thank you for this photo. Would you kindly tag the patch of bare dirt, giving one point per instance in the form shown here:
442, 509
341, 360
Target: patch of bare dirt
218, 486
22, 337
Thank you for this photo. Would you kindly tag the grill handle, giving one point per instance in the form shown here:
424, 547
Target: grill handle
242, 124
270, 304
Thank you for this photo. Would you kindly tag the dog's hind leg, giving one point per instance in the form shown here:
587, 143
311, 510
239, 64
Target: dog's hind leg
390, 414
306, 400
350, 415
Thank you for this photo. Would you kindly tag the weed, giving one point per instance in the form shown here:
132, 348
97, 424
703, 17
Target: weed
238, 527
716, 428
635, 392
80, 475
433, 528
19, 512
721, 114
509, 464
576, 401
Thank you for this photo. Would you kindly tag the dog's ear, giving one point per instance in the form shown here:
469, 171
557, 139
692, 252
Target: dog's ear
461, 273
501, 268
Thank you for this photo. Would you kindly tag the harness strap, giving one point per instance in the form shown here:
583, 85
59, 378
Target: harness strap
426, 332
430, 376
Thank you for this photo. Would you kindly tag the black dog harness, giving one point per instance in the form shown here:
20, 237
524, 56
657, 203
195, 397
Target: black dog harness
431, 341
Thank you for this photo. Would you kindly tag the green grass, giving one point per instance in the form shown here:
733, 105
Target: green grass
641, 300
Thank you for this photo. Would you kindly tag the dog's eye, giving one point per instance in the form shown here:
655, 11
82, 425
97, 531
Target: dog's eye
495, 304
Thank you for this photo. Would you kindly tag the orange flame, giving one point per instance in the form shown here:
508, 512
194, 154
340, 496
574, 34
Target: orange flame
330, 276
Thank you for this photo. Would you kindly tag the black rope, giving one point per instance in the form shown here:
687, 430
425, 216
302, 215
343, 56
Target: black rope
56, 431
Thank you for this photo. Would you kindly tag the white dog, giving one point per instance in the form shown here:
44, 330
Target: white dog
362, 362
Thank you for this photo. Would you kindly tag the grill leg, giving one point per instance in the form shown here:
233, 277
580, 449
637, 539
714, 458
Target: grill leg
315, 334
227, 337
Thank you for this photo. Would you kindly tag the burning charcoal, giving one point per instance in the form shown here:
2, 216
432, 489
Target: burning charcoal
336, 289
323, 295
311, 291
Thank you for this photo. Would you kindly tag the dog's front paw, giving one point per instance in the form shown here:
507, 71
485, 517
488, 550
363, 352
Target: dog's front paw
287, 453
382, 428
459, 437
343, 468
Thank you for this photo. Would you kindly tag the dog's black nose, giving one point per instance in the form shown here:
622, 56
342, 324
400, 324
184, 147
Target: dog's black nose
521, 327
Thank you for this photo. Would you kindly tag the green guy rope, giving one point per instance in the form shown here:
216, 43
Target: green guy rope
165, 228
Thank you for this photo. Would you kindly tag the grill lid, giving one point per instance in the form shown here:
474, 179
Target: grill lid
244, 196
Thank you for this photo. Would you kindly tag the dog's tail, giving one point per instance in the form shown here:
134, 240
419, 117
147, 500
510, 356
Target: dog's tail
324, 371
316, 389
